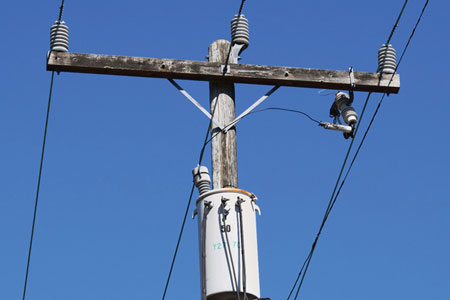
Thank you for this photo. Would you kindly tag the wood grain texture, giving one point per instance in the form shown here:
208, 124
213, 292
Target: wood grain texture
212, 71
223, 146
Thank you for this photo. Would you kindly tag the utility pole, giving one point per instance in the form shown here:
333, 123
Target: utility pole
223, 146
226, 214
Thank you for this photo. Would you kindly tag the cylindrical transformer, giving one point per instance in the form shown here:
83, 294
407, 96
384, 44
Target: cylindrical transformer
228, 244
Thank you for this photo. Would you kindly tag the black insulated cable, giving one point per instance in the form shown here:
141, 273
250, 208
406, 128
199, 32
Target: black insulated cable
41, 164
335, 194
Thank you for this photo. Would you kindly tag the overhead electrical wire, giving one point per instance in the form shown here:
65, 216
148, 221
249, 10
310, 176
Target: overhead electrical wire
381, 101
38, 188
396, 23
240, 7
336, 193
206, 141
266, 109
307, 261
244, 266
41, 164
286, 109
228, 247
202, 152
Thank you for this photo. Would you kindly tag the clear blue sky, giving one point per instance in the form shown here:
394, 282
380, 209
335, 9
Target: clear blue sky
120, 152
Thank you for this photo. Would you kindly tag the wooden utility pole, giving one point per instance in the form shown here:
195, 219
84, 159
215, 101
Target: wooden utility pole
221, 78
224, 161
223, 146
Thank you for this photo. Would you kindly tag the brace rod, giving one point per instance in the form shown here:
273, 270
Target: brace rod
190, 98
252, 107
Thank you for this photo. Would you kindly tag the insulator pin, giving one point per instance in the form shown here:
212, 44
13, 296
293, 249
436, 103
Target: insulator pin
387, 59
59, 37
239, 30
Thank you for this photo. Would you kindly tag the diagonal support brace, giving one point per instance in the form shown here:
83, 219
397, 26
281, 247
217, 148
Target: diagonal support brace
252, 107
201, 108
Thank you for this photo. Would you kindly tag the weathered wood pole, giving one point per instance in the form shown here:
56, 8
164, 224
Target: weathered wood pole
223, 146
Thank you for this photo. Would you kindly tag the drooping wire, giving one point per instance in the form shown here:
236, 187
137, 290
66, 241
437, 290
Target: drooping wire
334, 197
265, 109
381, 101
233, 269
188, 205
178, 241
225, 69
305, 265
244, 266
286, 109
41, 164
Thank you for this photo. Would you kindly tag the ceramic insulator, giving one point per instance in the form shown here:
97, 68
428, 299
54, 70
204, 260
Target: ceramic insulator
239, 30
387, 59
59, 37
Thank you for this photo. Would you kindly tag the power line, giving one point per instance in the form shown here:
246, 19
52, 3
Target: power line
244, 265
381, 101
230, 253
38, 187
184, 221
396, 23
286, 109
178, 242
382, 98
269, 108
41, 164
304, 268
240, 7
202, 151
336, 192
368, 128
61, 8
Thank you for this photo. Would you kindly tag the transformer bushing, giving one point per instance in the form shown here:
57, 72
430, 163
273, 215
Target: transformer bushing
202, 180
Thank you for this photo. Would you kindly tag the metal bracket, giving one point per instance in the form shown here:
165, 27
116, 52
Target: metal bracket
233, 57
352, 83
235, 50
190, 98
248, 110
352, 78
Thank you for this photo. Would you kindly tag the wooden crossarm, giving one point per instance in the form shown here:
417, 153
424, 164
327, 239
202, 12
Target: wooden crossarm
211, 71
